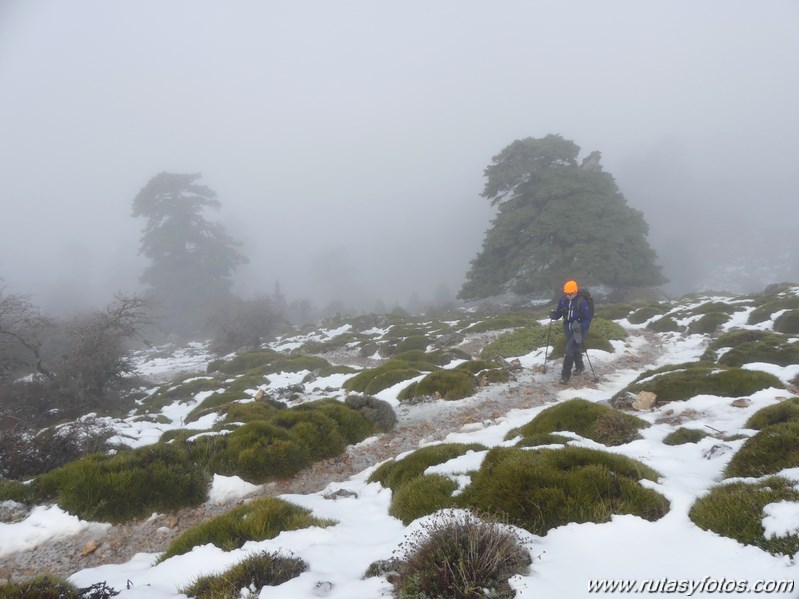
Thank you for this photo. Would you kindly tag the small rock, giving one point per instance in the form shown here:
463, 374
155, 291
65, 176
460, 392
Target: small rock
90, 547
741, 402
322, 588
341, 493
645, 400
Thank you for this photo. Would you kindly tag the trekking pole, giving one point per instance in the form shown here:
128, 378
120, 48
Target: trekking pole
585, 351
546, 351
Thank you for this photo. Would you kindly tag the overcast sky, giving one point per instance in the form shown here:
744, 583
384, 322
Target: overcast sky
347, 140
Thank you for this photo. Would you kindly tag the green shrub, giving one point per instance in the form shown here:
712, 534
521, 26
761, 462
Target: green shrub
248, 411
773, 448
747, 346
705, 308
364, 379
378, 412
389, 378
265, 361
418, 342
40, 587
683, 435
538, 439
613, 311
591, 420
708, 323
787, 322
131, 484
255, 521
463, 557
541, 489
771, 304
684, 381
394, 473
352, 424
477, 366
641, 315
431, 360
785, 411
312, 429
12, 490
735, 510
665, 324
258, 452
510, 320
448, 384
518, 343
255, 572
421, 496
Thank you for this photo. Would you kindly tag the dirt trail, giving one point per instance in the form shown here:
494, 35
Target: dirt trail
416, 424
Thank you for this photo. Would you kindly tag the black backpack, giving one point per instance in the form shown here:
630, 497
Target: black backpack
585, 296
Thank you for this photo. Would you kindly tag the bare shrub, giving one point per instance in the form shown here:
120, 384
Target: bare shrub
460, 556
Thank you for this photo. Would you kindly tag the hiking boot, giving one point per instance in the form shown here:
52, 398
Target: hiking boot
564, 379
579, 369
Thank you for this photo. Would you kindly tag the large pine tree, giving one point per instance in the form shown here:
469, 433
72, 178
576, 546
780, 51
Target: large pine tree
192, 261
557, 220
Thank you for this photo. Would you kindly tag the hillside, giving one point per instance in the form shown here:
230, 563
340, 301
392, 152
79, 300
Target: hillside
707, 378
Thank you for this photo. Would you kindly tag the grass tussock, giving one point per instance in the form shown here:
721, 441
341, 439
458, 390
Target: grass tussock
460, 556
255, 521
541, 489
40, 587
641, 315
374, 380
253, 573
447, 384
773, 448
785, 411
509, 320
421, 496
747, 346
735, 510
708, 323
665, 324
684, 435
394, 473
684, 381
591, 420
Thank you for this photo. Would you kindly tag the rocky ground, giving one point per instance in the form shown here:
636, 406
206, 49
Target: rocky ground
418, 423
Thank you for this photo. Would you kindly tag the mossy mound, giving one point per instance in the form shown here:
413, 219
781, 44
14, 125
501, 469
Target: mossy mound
509, 320
665, 324
706, 308
785, 411
684, 381
395, 473
735, 510
519, 342
446, 384
591, 420
266, 361
787, 322
539, 490
613, 311
769, 305
641, 315
747, 346
421, 496
773, 448
374, 380
683, 435
255, 521
378, 412
708, 323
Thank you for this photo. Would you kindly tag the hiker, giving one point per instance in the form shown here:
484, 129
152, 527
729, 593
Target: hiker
576, 313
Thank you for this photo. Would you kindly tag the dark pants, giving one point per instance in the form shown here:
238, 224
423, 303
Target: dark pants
574, 353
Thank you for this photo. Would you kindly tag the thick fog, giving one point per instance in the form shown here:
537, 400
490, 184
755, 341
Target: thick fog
347, 140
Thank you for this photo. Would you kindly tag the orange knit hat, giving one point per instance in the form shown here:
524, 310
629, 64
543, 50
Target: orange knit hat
570, 287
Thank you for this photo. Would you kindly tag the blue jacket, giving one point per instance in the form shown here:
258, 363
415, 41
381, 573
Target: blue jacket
571, 310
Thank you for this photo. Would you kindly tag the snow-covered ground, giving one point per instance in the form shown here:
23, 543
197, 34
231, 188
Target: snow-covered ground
676, 556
